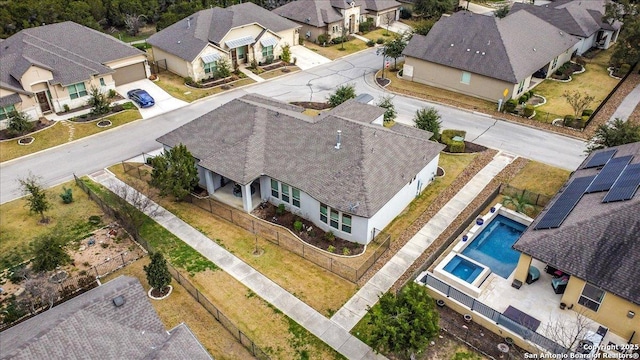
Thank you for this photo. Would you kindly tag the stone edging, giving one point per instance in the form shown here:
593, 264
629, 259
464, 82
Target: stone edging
610, 70
162, 297
544, 100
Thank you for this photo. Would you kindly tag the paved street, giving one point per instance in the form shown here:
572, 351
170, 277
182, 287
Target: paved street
91, 154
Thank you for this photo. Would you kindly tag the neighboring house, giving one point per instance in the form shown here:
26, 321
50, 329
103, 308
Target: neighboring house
579, 18
330, 17
485, 56
113, 321
589, 233
342, 170
239, 33
51, 67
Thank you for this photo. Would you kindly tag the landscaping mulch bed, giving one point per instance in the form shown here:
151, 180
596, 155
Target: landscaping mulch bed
275, 65
566, 74
38, 125
383, 82
312, 105
315, 236
214, 83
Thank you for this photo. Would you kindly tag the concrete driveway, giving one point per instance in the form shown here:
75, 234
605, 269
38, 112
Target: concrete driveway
307, 58
164, 101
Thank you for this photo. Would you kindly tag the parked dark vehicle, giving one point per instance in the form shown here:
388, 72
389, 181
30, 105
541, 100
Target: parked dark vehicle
141, 97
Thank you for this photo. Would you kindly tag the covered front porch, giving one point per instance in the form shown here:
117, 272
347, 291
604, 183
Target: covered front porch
242, 196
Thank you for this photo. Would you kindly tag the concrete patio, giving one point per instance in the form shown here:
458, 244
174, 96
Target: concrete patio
225, 195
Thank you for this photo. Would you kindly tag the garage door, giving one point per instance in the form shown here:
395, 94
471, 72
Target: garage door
127, 74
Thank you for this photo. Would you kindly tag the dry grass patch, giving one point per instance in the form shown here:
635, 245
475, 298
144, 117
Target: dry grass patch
379, 33
18, 227
278, 72
335, 51
319, 288
540, 178
174, 85
86, 129
181, 307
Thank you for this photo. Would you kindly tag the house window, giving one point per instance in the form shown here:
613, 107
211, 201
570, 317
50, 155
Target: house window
285, 193
323, 213
77, 90
274, 189
295, 193
102, 83
466, 78
210, 68
591, 297
335, 219
6, 111
555, 63
520, 86
241, 52
267, 51
346, 223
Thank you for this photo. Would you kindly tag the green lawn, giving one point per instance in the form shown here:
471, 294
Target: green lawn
595, 81
336, 51
58, 134
379, 33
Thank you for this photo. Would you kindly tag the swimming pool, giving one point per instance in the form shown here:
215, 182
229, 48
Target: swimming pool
463, 269
492, 246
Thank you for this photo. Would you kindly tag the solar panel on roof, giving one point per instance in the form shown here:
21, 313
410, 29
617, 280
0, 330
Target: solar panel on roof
626, 185
609, 173
600, 158
564, 203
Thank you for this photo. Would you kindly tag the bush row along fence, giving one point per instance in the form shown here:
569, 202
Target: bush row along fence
200, 298
281, 236
531, 197
496, 316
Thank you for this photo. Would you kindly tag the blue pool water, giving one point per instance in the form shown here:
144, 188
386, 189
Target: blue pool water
463, 269
492, 247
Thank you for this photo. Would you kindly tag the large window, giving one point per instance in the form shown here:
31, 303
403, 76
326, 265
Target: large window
520, 86
274, 189
336, 219
466, 78
323, 213
77, 90
295, 194
346, 223
210, 68
267, 51
285, 192
591, 297
6, 111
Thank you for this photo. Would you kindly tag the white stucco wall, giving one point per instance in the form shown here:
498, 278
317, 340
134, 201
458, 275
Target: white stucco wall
585, 44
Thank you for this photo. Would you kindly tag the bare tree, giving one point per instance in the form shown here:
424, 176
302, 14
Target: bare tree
578, 101
388, 19
568, 332
133, 23
133, 205
40, 292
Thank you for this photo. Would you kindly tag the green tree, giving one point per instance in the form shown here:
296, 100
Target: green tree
342, 94
619, 132
49, 251
433, 8
627, 50
19, 123
174, 172
423, 27
393, 48
390, 113
223, 68
286, 53
403, 324
519, 202
98, 101
157, 272
428, 119
502, 11
36, 197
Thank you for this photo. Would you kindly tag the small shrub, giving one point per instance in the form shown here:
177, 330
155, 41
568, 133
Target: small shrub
530, 93
280, 210
510, 105
453, 146
86, 264
254, 64
111, 94
405, 13
366, 26
528, 111
128, 106
583, 121
104, 245
587, 112
66, 107
286, 53
19, 123
67, 195
524, 98
300, 40
323, 39
189, 81
380, 41
331, 249
624, 69
346, 251
370, 43
568, 120
82, 272
329, 236
339, 39
297, 226
94, 219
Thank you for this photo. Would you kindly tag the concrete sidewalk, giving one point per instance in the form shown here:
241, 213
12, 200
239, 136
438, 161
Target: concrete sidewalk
627, 105
250, 74
326, 330
355, 309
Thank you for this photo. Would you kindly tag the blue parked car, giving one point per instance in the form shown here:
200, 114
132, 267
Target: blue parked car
141, 97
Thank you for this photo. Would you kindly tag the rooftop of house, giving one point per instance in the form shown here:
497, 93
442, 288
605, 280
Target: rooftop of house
249, 137
71, 59
597, 241
187, 37
92, 326
509, 49
320, 13
577, 17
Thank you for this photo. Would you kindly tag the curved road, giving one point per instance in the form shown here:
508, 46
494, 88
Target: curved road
91, 154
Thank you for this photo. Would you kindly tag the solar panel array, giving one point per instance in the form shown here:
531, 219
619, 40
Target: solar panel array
609, 174
600, 158
565, 203
626, 184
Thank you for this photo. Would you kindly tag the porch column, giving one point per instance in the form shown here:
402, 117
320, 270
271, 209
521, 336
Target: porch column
522, 270
246, 197
208, 178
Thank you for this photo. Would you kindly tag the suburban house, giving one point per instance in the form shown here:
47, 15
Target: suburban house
582, 19
113, 321
330, 17
491, 59
240, 33
45, 69
342, 170
588, 238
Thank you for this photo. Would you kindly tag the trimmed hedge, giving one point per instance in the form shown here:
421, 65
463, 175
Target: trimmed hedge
322, 38
528, 111
453, 146
587, 112
510, 105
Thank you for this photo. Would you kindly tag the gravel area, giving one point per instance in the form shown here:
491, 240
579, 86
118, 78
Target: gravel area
396, 244
635, 116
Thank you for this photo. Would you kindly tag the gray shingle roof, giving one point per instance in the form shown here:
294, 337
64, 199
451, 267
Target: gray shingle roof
187, 37
71, 51
91, 327
597, 242
320, 13
377, 5
244, 139
509, 49
9, 100
355, 110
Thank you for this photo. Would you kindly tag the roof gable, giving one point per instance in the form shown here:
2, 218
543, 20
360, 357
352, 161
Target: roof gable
318, 13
